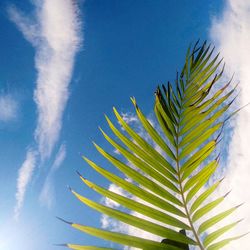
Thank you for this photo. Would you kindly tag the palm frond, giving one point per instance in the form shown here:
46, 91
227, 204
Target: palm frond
191, 114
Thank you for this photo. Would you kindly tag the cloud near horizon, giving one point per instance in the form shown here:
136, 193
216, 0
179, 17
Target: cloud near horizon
54, 30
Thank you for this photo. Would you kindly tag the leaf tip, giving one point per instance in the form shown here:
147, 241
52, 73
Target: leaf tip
114, 109
217, 159
225, 195
60, 245
94, 144
239, 205
221, 179
240, 220
65, 221
80, 175
101, 130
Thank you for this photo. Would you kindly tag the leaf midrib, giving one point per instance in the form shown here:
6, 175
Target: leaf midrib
188, 214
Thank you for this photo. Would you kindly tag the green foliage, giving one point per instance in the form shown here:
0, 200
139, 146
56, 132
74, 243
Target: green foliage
171, 187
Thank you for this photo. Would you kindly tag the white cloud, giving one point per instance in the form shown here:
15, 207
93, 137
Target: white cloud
60, 156
47, 195
28, 27
129, 117
8, 108
54, 29
231, 34
24, 177
118, 190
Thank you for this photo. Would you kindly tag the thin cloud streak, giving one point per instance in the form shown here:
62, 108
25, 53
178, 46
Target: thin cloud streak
54, 30
24, 177
231, 35
47, 195
8, 108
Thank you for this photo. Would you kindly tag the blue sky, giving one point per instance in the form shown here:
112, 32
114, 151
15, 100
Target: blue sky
111, 50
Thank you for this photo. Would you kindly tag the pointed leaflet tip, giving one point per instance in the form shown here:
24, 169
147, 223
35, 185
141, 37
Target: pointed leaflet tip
240, 220
196, 43
223, 67
134, 102
227, 194
83, 178
164, 88
94, 144
78, 173
222, 179
60, 245
70, 223
218, 139
70, 189
239, 205
101, 130
132, 98
224, 87
85, 158
232, 77
217, 159
106, 117
230, 103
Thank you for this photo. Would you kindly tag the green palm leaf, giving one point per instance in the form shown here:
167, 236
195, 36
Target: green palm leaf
137, 206
222, 243
78, 247
123, 238
213, 236
191, 116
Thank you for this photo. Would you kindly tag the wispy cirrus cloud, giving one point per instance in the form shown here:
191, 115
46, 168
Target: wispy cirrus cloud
231, 34
47, 195
54, 30
8, 108
24, 177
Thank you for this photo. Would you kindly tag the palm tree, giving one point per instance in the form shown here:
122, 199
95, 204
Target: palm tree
172, 187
